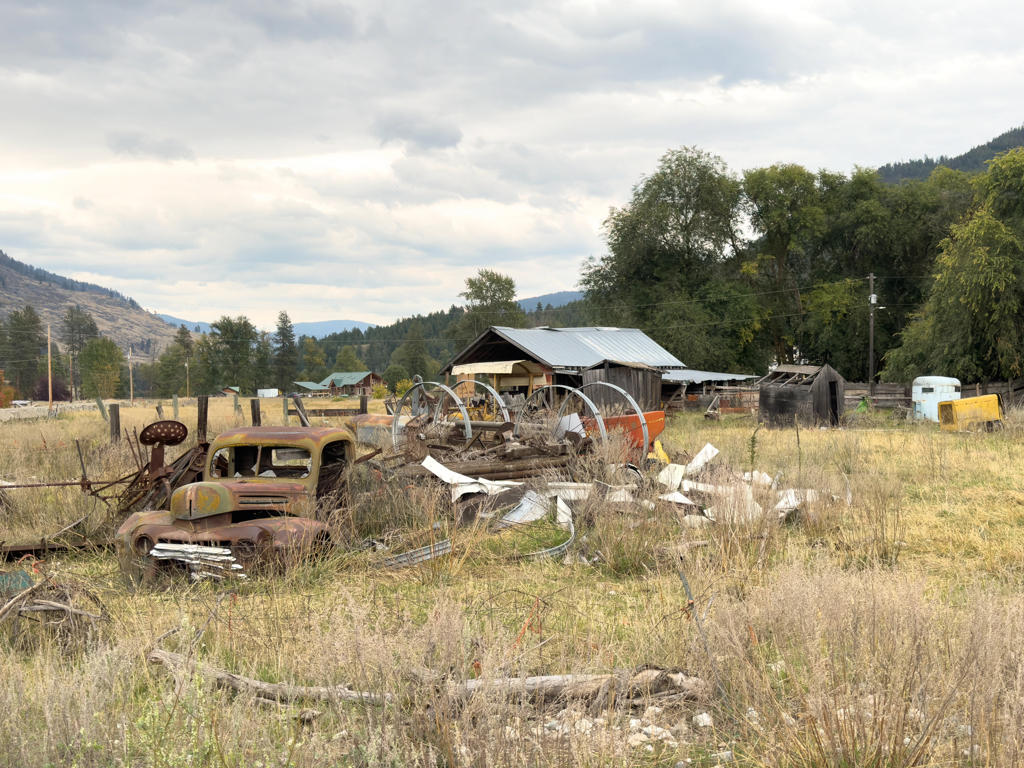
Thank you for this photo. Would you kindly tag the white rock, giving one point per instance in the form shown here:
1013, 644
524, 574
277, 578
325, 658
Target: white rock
637, 740
778, 667
635, 724
651, 712
583, 725
656, 733
722, 757
696, 521
551, 725
703, 720
752, 715
788, 719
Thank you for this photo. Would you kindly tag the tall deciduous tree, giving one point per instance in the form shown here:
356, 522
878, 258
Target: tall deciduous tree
787, 209
234, 339
490, 300
314, 360
973, 324
348, 361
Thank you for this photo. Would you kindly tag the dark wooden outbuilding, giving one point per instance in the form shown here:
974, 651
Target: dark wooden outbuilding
813, 394
642, 382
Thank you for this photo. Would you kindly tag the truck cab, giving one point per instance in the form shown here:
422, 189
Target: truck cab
261, 493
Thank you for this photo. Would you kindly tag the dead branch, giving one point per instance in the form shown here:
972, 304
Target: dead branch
273, 691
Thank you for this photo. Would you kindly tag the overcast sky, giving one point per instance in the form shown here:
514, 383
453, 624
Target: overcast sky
359, 160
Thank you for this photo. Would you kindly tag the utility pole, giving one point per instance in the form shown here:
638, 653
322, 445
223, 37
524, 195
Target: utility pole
131, 378
872, 300
49, 365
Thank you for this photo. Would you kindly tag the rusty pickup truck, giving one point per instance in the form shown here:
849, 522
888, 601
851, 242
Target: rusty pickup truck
256, 506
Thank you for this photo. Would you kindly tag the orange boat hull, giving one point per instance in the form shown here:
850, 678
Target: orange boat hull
634, 430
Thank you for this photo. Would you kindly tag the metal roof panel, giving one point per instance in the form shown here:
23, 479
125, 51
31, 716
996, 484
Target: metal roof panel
584, 347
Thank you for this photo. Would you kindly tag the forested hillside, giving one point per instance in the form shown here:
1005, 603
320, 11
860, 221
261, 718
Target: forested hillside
973, 161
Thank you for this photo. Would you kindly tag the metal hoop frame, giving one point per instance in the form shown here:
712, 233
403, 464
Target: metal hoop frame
629, 398
466, 428
590, 404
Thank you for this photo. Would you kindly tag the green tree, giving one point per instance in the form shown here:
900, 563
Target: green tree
490, 300
787, 209
394, 374
412, 355
183, 338
102, 362
170, 371
348, 361
263, 362
673, 265
26, 344
77, 327
234, 339
314, 360
972, 326
286, 353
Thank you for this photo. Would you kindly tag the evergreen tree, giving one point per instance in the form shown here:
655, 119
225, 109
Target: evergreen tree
26, 344
412, 355
103, 364
286, 354
77, 328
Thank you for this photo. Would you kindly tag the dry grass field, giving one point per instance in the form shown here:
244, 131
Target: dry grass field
884, 632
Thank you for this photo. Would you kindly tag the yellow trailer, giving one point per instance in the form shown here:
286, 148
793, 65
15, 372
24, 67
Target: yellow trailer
971, 414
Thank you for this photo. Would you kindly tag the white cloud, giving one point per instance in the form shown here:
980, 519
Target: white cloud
360, 159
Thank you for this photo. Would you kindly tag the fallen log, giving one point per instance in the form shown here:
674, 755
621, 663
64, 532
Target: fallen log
623, 686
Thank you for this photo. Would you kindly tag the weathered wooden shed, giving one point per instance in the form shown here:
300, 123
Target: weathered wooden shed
642, 382
813, 394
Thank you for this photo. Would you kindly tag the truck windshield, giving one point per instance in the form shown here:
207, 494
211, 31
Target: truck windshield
261, 461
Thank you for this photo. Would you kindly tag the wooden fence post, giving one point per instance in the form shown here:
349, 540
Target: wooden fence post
284, 402
301, 409
203, 402
238, 408
115, 422
160, 411
174, 404
103, 408
363, 403
254, 407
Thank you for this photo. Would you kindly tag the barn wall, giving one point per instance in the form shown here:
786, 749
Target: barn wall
644, 385
820, 390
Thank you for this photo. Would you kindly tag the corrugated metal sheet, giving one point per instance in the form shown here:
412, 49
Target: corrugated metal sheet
584, 347
698, 377
349, 379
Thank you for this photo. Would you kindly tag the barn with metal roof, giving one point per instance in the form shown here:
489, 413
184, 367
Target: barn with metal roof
565, 351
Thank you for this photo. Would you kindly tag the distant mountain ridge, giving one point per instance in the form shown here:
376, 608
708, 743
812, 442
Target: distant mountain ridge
317, 329
972, 161
556, 300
